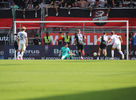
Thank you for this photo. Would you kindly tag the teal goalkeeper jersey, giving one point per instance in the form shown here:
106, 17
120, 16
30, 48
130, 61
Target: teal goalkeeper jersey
65, 50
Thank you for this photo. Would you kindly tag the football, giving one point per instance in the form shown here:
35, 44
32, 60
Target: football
95, 54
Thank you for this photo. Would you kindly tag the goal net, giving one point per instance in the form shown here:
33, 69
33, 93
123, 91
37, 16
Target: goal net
91, 29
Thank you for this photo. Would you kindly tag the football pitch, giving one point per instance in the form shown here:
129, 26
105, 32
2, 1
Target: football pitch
68, 80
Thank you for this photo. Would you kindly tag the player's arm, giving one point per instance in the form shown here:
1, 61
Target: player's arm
26, 41
18, 40
74, 41
70, 41
84, 38
98, 39
121, 39
109, 41
14, 34
60, 53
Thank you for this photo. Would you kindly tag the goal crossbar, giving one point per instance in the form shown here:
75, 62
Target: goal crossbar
113, 21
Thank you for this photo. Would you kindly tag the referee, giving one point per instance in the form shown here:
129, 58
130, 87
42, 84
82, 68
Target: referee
103, 45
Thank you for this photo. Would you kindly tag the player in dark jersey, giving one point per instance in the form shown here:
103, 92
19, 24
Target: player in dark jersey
15, 44
103, 45
79, 40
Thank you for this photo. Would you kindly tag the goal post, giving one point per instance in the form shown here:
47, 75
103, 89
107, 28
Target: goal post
83, 22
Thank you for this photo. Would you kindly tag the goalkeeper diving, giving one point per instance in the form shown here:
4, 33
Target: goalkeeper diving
65, 52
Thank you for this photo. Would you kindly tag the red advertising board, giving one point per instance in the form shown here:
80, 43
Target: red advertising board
91, 38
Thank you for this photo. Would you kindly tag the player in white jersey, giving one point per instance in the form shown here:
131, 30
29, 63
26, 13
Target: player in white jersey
22, 42
117, 44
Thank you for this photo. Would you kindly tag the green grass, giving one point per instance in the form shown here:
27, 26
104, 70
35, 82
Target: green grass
68, 80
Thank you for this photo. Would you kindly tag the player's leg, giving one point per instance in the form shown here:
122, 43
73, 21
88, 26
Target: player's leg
112, 51
23, 49
71, 56
69, 6
90, 11
19, 50
104, 52
79, 51
63, 57
119, 50
16, 48
36, 7
82, 48
98, 56
57, 10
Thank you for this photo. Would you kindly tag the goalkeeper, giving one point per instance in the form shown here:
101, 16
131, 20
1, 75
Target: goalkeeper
66, 53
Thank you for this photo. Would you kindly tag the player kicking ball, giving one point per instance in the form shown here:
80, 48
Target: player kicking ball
117, 40
66, 53
103, 45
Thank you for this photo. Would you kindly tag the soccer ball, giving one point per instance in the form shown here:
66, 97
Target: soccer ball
20, 56
95, 54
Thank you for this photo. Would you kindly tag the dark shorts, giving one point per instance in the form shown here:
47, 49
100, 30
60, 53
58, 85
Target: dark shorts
69, 4
35, 4
80, 47
103, 46
23, 5
109, 5
15, 45
47, 43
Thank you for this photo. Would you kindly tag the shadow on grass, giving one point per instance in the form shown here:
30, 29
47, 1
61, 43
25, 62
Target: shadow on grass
116, 94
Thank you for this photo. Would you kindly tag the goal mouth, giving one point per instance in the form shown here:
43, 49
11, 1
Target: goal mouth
83, 25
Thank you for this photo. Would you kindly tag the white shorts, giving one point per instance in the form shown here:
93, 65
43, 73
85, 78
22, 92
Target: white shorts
116, 45
22, 46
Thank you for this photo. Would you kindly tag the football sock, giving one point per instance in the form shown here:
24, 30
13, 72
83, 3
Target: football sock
71, 57
22, 53
112, 53
121, 52
18, 53
98, 56
79, 54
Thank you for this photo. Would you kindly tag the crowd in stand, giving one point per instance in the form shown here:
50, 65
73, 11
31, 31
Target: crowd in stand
36, 4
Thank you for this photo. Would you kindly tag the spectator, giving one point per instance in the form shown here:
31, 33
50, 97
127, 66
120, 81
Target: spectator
67, 39
82, 3
47, 39
91, 5
14, 6
36, 5
68, 3
76, 4
53, 5
60, 39
36, 41
110, 3
102, 3
131, 4
23, 6
119, 3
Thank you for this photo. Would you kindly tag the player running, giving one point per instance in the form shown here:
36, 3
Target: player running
117, 40
103, 45
22, 42
79, 40
66, 53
